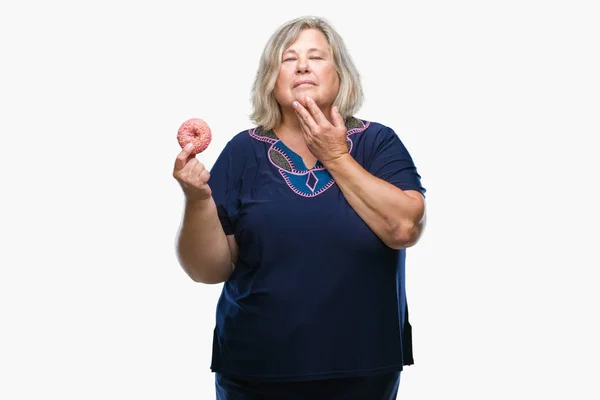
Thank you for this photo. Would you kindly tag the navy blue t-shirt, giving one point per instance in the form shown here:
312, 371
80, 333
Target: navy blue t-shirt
315, 293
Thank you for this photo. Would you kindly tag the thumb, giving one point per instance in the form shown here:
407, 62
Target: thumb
183, 157
336, 117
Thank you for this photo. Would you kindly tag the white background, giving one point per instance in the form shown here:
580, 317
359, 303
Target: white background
497, 101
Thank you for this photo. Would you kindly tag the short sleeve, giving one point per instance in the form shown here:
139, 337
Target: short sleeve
225, 188
391, 162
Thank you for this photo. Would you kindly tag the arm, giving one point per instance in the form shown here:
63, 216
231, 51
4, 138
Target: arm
397, 217
203, 249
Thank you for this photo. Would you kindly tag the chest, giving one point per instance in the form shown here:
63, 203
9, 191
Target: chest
276, 218
301, 151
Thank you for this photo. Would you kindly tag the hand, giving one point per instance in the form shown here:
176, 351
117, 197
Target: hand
326, 141
191, 175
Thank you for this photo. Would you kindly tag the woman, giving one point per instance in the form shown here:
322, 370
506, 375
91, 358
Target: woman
306, 219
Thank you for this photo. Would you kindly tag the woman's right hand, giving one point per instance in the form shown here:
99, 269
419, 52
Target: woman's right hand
192, 175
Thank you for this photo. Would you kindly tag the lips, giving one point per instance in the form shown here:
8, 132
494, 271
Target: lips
303, 82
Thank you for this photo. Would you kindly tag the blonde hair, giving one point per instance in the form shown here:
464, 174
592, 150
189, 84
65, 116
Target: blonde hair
266, 111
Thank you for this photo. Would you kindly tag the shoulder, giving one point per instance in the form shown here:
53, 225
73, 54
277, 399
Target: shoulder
379, 129
240, 140
239, 144
376, 133
370, 128
251, 137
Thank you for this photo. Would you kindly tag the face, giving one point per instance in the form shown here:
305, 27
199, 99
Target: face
307, 69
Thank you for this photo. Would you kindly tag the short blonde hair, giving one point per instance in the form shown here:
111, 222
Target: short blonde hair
266, 111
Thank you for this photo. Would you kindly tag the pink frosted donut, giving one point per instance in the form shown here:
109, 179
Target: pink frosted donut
195, 131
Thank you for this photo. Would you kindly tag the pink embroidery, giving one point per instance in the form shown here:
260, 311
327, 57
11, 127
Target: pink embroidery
289, 160
261, 138
312, 187
294, 171
356, 130
298, 192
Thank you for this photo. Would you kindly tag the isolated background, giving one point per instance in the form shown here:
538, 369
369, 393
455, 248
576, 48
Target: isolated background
497, 101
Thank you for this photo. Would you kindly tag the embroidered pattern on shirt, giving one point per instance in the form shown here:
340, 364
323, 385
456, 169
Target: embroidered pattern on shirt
307, 182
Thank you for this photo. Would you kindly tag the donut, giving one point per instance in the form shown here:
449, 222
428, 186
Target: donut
195, 131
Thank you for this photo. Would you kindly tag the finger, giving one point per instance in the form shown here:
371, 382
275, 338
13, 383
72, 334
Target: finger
204, 176
198, 170
316, 112
206, 189
200, 181
305, 116
184, 157
189, 167
336, 117
304, 127
186, 174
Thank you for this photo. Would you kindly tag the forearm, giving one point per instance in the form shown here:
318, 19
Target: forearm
202, 247
394, 216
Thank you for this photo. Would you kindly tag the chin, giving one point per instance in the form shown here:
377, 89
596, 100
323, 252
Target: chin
302, 99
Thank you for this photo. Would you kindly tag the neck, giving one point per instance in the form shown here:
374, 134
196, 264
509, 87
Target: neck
290, 124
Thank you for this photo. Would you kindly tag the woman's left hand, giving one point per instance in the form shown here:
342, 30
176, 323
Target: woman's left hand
325, 141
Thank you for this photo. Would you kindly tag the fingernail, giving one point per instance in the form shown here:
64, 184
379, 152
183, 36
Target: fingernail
189, 146
335, 109
295, 104
308, 99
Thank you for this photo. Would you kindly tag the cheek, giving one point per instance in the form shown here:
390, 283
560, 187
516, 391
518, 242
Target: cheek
281, 90
334, 81
331, 75
283, 79
278, 86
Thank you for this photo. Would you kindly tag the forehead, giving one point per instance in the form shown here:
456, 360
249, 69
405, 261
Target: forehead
309, 38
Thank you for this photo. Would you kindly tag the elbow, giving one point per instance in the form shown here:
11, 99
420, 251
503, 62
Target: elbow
204, 273
405, 235
407, 232
198, 277
208, 278
207, 268
402, 239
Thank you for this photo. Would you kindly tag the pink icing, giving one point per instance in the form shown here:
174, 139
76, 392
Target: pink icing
195, 131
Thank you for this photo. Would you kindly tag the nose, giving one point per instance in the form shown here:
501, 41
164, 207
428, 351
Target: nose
302, 66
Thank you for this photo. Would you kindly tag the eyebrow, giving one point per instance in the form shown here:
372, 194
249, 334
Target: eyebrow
309, 50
